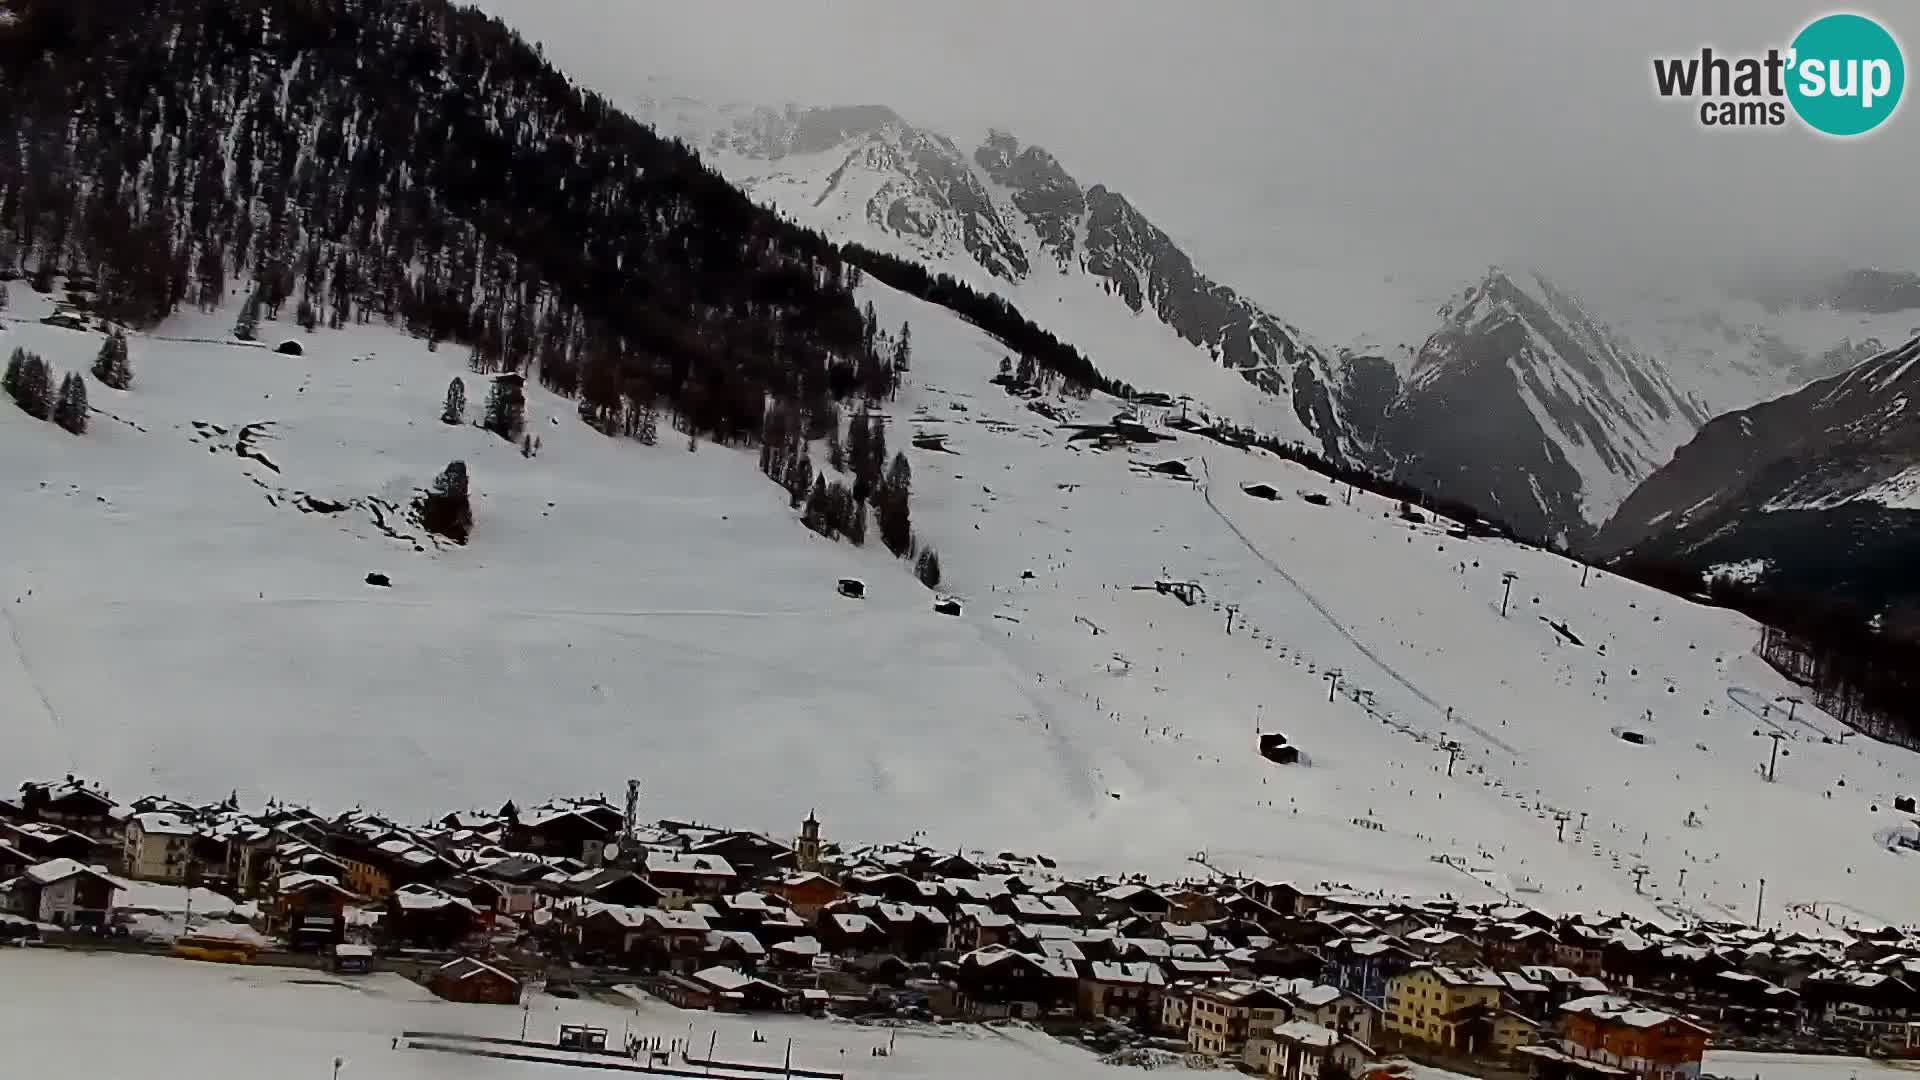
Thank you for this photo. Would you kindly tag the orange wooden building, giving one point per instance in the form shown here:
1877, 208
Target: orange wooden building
1648, 1043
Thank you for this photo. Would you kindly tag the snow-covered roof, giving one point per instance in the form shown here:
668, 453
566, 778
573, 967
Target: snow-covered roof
421, 898
1306, 1033
1137, 972
1066, 950
1314, 997
1459, 976
1619, 1010
674, 862
157, 823
800, 946
684, 921
57, 870
743, 940
724, 979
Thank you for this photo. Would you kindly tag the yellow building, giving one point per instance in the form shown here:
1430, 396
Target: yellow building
1446, 1006
1511, 1031
367, 879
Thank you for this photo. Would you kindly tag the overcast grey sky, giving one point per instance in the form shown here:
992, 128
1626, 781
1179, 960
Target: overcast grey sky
1267, 132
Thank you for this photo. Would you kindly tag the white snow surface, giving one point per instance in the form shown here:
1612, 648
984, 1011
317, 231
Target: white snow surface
174, 625
179, 1020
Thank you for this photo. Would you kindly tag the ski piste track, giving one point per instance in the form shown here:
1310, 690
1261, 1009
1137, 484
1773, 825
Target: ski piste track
46, 704
1206, 492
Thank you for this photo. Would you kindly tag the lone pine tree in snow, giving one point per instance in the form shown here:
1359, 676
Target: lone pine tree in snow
455, 410
927, 568
111, 367
506, 408
446, 510
70, 410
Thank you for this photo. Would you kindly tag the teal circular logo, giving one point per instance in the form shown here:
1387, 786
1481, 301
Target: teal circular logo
1847, 74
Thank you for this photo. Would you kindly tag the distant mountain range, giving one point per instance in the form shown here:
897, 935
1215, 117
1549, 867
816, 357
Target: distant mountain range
1818, 490
1544, 408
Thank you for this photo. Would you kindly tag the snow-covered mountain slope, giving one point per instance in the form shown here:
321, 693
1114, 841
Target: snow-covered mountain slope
1821, 486
177, 621
1540, 403
1007, 218
1525, 405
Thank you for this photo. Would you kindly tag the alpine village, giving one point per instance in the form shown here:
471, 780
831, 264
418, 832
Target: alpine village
578, 896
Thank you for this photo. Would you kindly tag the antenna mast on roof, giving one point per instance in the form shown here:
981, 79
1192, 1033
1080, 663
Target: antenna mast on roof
630, 835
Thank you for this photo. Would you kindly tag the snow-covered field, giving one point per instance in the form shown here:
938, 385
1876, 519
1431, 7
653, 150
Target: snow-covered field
117, 1017
113, 1017
175, 622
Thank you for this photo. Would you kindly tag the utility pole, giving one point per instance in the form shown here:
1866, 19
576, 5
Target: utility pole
1639, 872
1683, 878
1333, 683
337, 1062
1774, 758
1561, 820
1759, 900
1507, 578
1453, 752
1232, 610
1583, 821
1584, 570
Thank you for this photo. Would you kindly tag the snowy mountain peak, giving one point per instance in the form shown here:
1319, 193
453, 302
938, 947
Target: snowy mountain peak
1009, 218
1517, 355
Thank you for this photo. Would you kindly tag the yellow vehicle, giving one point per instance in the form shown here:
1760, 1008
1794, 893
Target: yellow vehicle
218, 950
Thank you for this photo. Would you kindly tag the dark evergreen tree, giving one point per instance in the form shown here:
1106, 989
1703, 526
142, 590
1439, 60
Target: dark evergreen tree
819, 512
896, 525
836, 453
799, 479
112, 367
856, 520
15, 381
927, 568
31, 385
506, 408
454, 411
445, 510
648, 427
70, 409
859, 454
903, 349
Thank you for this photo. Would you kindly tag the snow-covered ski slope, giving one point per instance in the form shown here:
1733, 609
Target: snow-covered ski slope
176, 622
